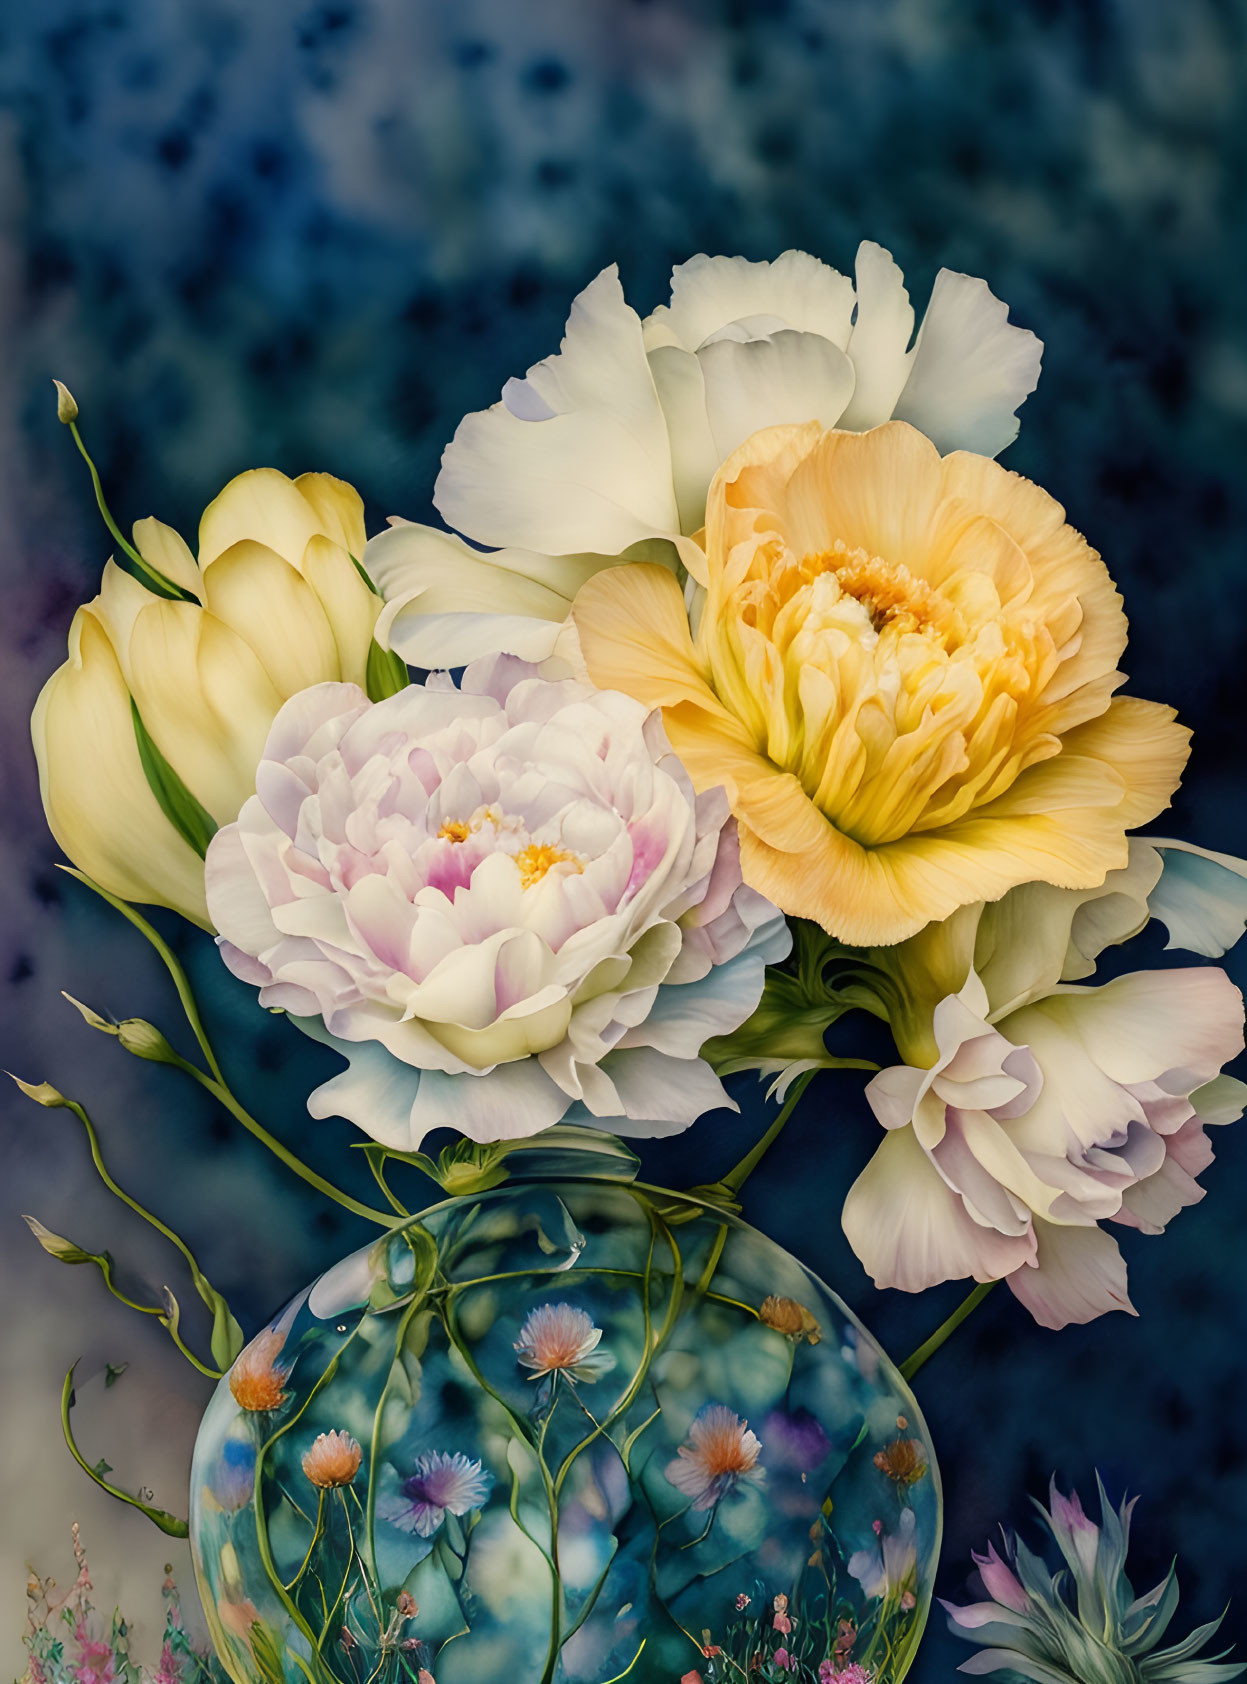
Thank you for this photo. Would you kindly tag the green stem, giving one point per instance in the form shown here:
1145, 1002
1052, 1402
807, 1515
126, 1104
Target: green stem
168, 1523
929, 1346
202, 1284
166, 587
222, 1094
735, 1179
171, 964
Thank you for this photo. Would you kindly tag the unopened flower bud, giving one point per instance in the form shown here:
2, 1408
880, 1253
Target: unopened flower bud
90, 1016
65, 1251
66, 408
43, 1093
144, 1040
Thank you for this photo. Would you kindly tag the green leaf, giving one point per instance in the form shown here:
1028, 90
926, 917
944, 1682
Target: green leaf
192, 821
100, 1468
227, 1336
386, 674
113, 1372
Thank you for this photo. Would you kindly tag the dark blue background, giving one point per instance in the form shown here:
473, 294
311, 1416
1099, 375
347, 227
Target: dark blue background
314, 236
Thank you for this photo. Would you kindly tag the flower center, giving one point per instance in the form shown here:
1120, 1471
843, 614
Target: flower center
537, 858
887, 590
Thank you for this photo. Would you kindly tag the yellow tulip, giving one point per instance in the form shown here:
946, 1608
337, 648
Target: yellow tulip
273, 604
901, 667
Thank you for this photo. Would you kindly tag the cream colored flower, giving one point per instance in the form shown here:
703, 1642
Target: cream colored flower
605, 451
902, 671
1029, 1110
273, 604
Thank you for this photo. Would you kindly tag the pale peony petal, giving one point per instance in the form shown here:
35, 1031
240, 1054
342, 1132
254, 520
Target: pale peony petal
512, 1102
879, 343
971, 370
447, 603
786, 378
1079, 1274
1201, 897
680, 382
711, 294
909, 1230
576, 457
375, 1092
662, 1094
1143, 1027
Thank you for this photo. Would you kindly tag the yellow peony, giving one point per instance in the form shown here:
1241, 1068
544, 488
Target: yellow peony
902, 668
278, 604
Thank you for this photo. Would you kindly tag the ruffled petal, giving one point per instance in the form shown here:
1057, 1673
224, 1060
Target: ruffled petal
971, 369
576, 456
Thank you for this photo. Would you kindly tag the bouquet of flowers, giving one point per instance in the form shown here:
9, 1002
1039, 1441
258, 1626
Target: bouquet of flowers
742, 691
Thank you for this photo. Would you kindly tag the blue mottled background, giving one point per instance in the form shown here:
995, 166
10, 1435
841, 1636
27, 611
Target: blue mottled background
313, 236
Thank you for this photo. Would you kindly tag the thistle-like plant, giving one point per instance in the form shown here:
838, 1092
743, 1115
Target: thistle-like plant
1083, 1624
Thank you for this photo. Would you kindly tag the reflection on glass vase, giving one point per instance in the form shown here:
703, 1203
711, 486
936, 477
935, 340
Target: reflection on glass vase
565, 1432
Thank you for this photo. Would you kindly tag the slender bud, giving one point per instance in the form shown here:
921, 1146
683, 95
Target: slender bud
90, 1016
66, 408
144, 1040
65, 1251
43, 1093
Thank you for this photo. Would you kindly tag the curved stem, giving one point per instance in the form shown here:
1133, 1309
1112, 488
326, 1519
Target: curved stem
166, 587
929, 1346
167, 958
735, 1179
202, 1284
168, 1523
223, 1095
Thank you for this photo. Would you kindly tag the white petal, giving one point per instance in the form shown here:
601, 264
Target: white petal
595, 474
1080, 1275
1144, 1026
790, 377
685, 1015
710, 293
510, 1103
662, 1095
971, 370
911, 1231
681, 390
879, 344
1201, 898
375, 1092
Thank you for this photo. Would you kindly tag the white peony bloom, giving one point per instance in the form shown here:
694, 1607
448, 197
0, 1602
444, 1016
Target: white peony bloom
605, 451
503, 903
1029, 1110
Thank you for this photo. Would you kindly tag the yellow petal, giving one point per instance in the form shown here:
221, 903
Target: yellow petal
261, 505
98, 804
277, 614
635, 638
205, 699
350, 607
338, 508
168, 552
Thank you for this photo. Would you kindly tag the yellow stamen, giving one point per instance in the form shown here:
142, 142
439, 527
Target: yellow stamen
454, 830
887, 590
535, 860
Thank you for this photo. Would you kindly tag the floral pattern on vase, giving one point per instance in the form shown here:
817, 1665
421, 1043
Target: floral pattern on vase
565, 1433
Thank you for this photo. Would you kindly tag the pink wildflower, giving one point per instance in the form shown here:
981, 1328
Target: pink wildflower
721, 1451
561, 1339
